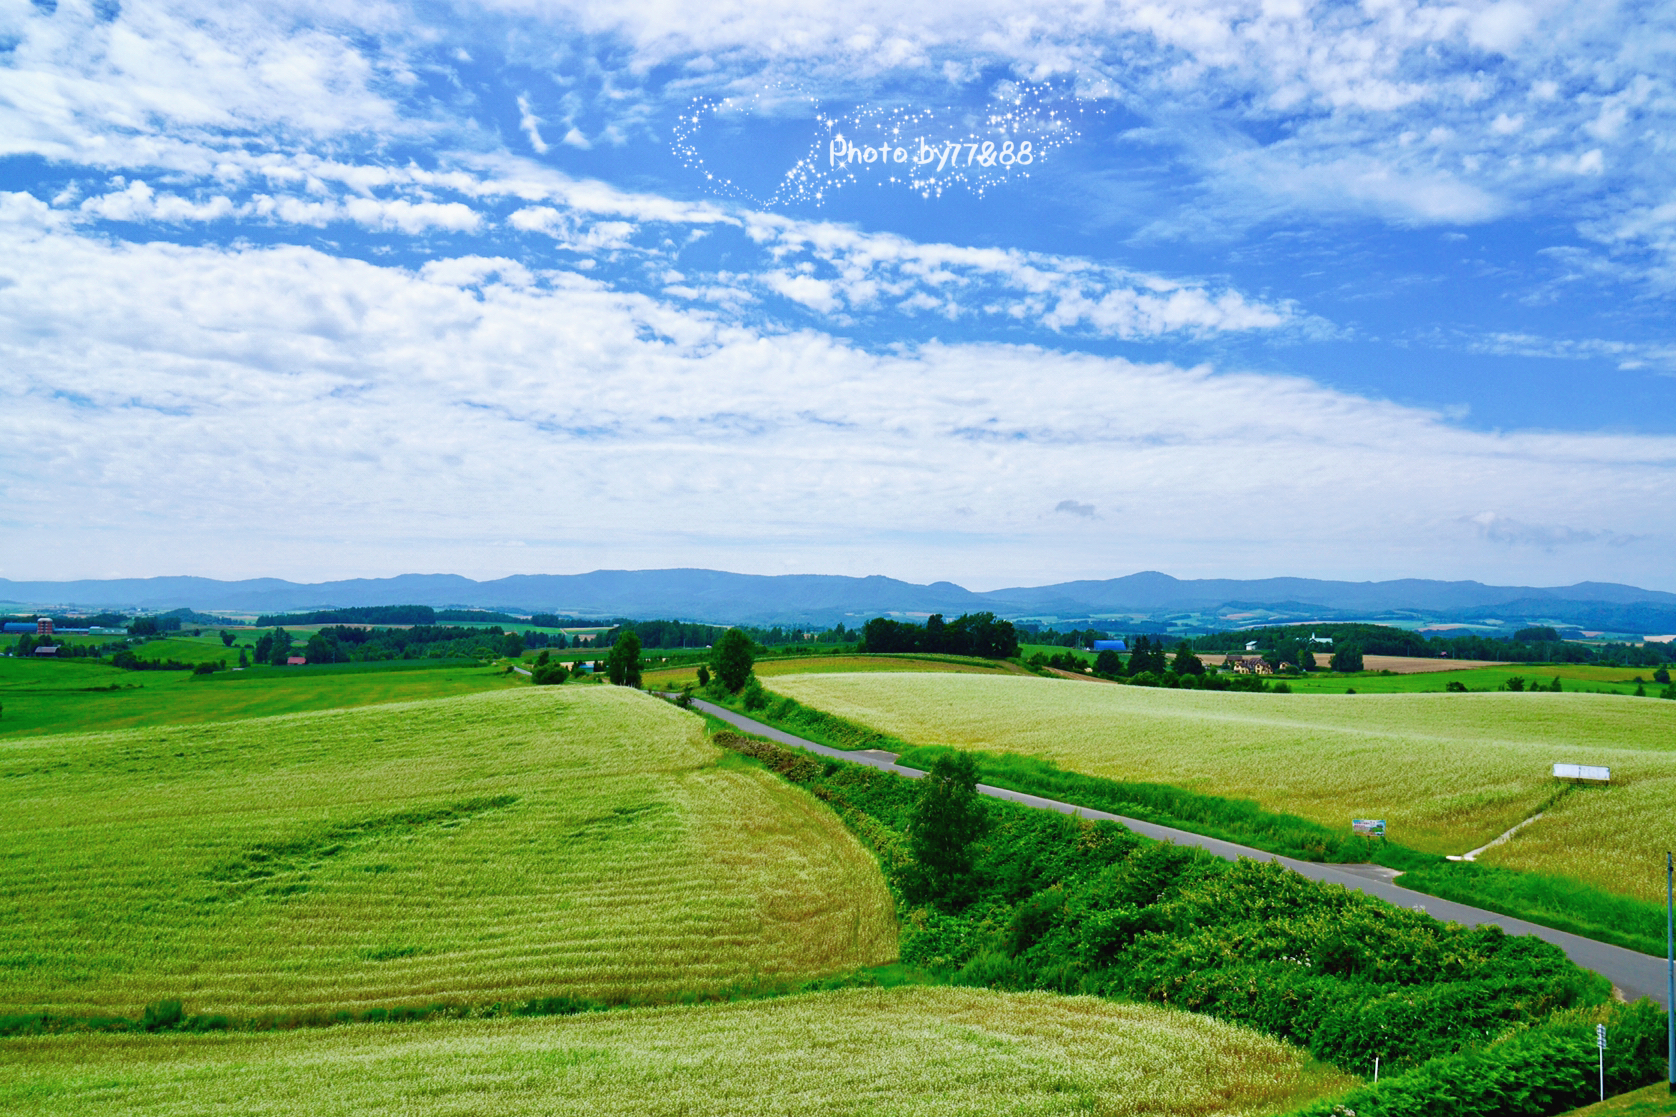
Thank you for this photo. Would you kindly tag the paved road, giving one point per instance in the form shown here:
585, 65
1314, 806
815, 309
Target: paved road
1635, 974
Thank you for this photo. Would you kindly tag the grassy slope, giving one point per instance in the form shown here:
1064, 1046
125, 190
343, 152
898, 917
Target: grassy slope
68, 697
914, 1051
1649, 1101
1449, 772
369, 857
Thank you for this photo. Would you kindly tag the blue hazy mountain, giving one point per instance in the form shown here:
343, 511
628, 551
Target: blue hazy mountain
1148, 598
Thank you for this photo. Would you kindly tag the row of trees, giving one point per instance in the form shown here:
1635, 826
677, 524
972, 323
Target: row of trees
1535, 644
975, 634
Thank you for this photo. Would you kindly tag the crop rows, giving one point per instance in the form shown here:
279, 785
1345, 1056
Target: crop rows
1448, 771
578, 842
918, 1050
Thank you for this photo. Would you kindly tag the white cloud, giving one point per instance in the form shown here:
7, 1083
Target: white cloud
316, 412
531, 124
846, 268
1514, 533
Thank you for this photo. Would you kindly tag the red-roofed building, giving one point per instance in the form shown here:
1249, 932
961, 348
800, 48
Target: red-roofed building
294, 661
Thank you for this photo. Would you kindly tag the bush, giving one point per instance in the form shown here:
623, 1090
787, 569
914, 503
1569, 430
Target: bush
549, 674
1532, 1072
162, 1016
1456, 686
1516, 683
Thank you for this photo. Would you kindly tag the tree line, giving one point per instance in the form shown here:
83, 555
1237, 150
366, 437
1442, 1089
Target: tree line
1535, 644
974, 634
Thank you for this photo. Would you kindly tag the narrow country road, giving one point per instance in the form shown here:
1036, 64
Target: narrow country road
1635, 974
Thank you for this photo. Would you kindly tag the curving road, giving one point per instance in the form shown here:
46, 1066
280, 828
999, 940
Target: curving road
1634, 974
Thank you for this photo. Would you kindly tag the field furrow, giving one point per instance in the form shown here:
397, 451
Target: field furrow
534, 843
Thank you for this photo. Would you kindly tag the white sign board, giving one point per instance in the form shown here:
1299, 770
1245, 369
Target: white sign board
1582, 772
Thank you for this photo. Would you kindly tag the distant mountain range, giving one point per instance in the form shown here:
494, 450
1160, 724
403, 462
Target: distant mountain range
1145, 601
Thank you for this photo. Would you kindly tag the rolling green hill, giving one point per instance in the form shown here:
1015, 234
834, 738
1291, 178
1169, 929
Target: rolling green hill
576, 841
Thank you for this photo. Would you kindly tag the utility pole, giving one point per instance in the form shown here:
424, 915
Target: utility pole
1670, 970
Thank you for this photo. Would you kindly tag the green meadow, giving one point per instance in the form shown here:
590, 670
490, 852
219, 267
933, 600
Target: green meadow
582, 842
82, 696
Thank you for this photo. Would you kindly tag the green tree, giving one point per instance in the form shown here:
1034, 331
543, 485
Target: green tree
947, 822
226, 638
1108, 662
143, 626
322, 647
279, 649
244, 659
512, 645
1186, 663
1347, 660
703, 676
622, 664
1516, 683
732, 658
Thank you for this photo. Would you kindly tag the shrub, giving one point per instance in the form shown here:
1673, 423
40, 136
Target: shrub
1456, 686
549, 674
162, 1016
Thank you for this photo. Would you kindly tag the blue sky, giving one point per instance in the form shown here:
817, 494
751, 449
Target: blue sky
1336, 290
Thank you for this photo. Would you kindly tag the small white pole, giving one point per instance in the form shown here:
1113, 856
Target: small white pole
1600, 1042
1376, 1070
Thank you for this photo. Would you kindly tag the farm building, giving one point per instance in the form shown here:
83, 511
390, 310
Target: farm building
46, 649
1110, 646
295, 661
1249, 665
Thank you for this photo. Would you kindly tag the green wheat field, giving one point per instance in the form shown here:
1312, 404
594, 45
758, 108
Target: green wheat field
580, 841
1448, 771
